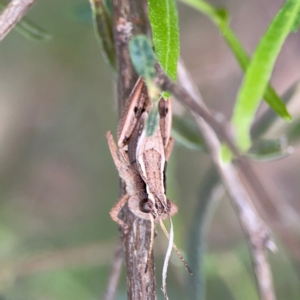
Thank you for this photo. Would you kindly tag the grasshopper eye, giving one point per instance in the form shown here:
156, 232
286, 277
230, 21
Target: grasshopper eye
146, 205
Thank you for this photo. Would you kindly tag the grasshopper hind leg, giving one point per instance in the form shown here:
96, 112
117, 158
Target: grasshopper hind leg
169, 148
114, 212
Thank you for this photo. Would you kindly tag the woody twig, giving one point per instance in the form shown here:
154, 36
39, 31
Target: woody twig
129, 18
12, 14
115, 273
256, 230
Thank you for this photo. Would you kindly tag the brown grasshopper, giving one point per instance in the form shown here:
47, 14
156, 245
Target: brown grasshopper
141, 162
149, 154
144, 197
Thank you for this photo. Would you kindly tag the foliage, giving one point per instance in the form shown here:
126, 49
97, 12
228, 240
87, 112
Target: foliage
103, 28
48, 247
260, 69
29, 30
221, 18
163, 18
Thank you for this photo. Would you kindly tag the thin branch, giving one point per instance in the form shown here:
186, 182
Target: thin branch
115, 273
257, 232
12, 14
181, 94
129, 18
220, 129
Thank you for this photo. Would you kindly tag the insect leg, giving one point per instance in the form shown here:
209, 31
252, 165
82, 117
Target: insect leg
165, 118
113, 150
169, 148
134, 107
114, 212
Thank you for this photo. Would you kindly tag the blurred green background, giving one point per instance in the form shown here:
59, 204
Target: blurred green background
58, 181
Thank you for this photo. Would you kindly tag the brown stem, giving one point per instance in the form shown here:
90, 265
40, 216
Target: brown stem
115, 272
181, 94
256, 230
12, 14
130, 18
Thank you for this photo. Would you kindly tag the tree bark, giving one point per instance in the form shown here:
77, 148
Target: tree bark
130, 18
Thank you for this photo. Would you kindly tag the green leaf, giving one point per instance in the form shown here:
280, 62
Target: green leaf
142, 56
226, 155
152, 120
143, 60
164, 23
220, 18
29, 30
186, 133
268, 118
270, 95
32, 32
103, 27
267, 150
260, 69
296, 24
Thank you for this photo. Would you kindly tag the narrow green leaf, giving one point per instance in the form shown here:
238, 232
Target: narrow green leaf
152, 120
259, 71
226, 155
220, 18
200, 221
268, 118
143, 60
32, 31
267, 150
164, 23
142, 56
103, 27
296, 24
270, 95
29, 30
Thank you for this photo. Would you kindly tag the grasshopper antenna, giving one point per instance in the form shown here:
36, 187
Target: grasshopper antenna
166, 261
162, 225
151, 242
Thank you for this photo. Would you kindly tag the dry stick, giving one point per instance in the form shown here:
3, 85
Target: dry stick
129, 18
220, 129
166, 84
12, 14
256, 230
115, 272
